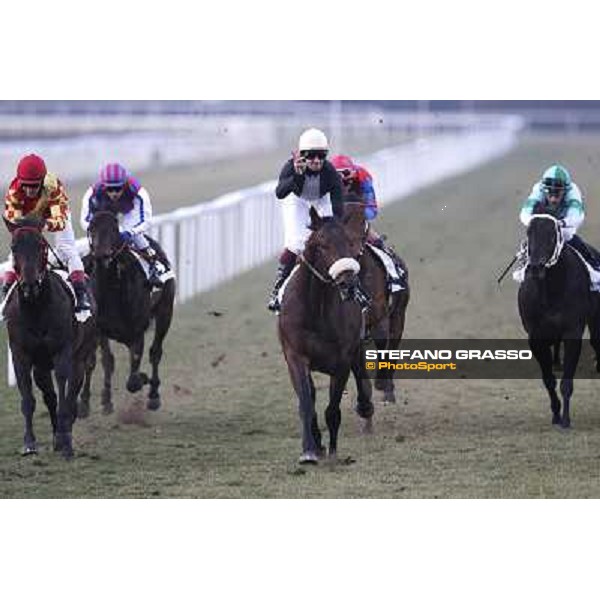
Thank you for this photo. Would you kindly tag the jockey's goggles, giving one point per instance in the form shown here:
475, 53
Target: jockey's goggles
312, 154
115, 188
346, 173
31, 184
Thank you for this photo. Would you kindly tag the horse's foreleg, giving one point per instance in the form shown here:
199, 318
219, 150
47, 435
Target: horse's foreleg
66, 410
543, 354
162, 320
83, 410
136, 380
333, 414
43, 379
364, 403
108, 366
23, 377
315, 422
572, 348
300, 376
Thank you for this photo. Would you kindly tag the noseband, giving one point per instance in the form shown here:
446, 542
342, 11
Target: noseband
43, 258
115, 253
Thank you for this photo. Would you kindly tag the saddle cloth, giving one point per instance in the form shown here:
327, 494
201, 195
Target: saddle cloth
518, 274
395, 273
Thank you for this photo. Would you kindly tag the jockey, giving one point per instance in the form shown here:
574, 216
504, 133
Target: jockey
307, 179
34, 191
557, 194
357, 181
117, 190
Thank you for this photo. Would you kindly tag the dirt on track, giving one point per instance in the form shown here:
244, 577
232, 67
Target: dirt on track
229, 426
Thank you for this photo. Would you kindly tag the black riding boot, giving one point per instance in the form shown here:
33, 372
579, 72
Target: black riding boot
82, 298
282, 274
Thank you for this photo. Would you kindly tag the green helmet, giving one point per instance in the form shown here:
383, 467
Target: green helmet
556, 179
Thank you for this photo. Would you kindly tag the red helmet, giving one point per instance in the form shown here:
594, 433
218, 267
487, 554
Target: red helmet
31, 169
341, 162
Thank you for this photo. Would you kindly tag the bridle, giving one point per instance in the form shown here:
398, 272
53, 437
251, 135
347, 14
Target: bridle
43, 259
115, 253
560, 241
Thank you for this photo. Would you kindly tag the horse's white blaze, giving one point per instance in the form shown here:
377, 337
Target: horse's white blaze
343, 264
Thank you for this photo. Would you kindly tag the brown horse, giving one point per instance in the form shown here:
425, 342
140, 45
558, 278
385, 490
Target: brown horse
386, 316
126, 306
319, 328
45, 336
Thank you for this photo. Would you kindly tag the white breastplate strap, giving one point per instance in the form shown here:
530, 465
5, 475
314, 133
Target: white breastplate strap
560, 242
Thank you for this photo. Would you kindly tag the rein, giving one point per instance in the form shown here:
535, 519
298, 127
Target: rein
314, 271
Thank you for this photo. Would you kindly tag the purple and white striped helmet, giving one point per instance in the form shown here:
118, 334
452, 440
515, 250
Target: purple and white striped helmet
113, 175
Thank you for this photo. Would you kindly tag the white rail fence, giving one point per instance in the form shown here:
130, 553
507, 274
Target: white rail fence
213, 241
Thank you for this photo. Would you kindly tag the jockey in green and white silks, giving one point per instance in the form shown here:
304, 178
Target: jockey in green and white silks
557, 194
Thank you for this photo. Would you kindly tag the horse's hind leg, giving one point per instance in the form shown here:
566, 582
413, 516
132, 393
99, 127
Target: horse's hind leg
67, 410
23, 377
572, 352
333, 414
162, 320
108, 366
43, 379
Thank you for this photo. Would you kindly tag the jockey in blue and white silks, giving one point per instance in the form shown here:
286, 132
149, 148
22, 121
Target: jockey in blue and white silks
557, 194
118, 191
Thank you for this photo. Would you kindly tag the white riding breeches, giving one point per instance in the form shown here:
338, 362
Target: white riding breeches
296, 218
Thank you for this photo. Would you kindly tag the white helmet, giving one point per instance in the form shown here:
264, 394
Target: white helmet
313, 139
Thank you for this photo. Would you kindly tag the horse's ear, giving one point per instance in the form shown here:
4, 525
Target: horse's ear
315, 219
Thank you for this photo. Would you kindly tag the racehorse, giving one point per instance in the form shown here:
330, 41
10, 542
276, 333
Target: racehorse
555, 303
45, 335
319, 329
126, 306
387, 314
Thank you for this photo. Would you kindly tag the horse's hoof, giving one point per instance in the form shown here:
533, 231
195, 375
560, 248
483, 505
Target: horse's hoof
565, 423
365, 411
134, 384
556, 420
367, 426
67, 452
153, 403
309, 458
380, 385
107, 408
83, 410
29, 449
321, 452
389, 398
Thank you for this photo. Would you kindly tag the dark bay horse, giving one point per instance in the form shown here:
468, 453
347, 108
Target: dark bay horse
44, 335
319, 329
555, 303
387, 314
126, 306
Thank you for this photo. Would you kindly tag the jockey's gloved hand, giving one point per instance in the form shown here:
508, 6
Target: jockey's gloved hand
126, 237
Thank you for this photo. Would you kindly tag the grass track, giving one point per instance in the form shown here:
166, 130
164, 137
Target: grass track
229, 425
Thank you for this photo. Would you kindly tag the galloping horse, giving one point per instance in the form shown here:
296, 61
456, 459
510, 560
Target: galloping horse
555, 303
387, 314
126, 306
44, 335
319, 329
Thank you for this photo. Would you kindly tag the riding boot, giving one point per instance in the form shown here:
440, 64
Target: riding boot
153, 273
283, 272
82, 297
